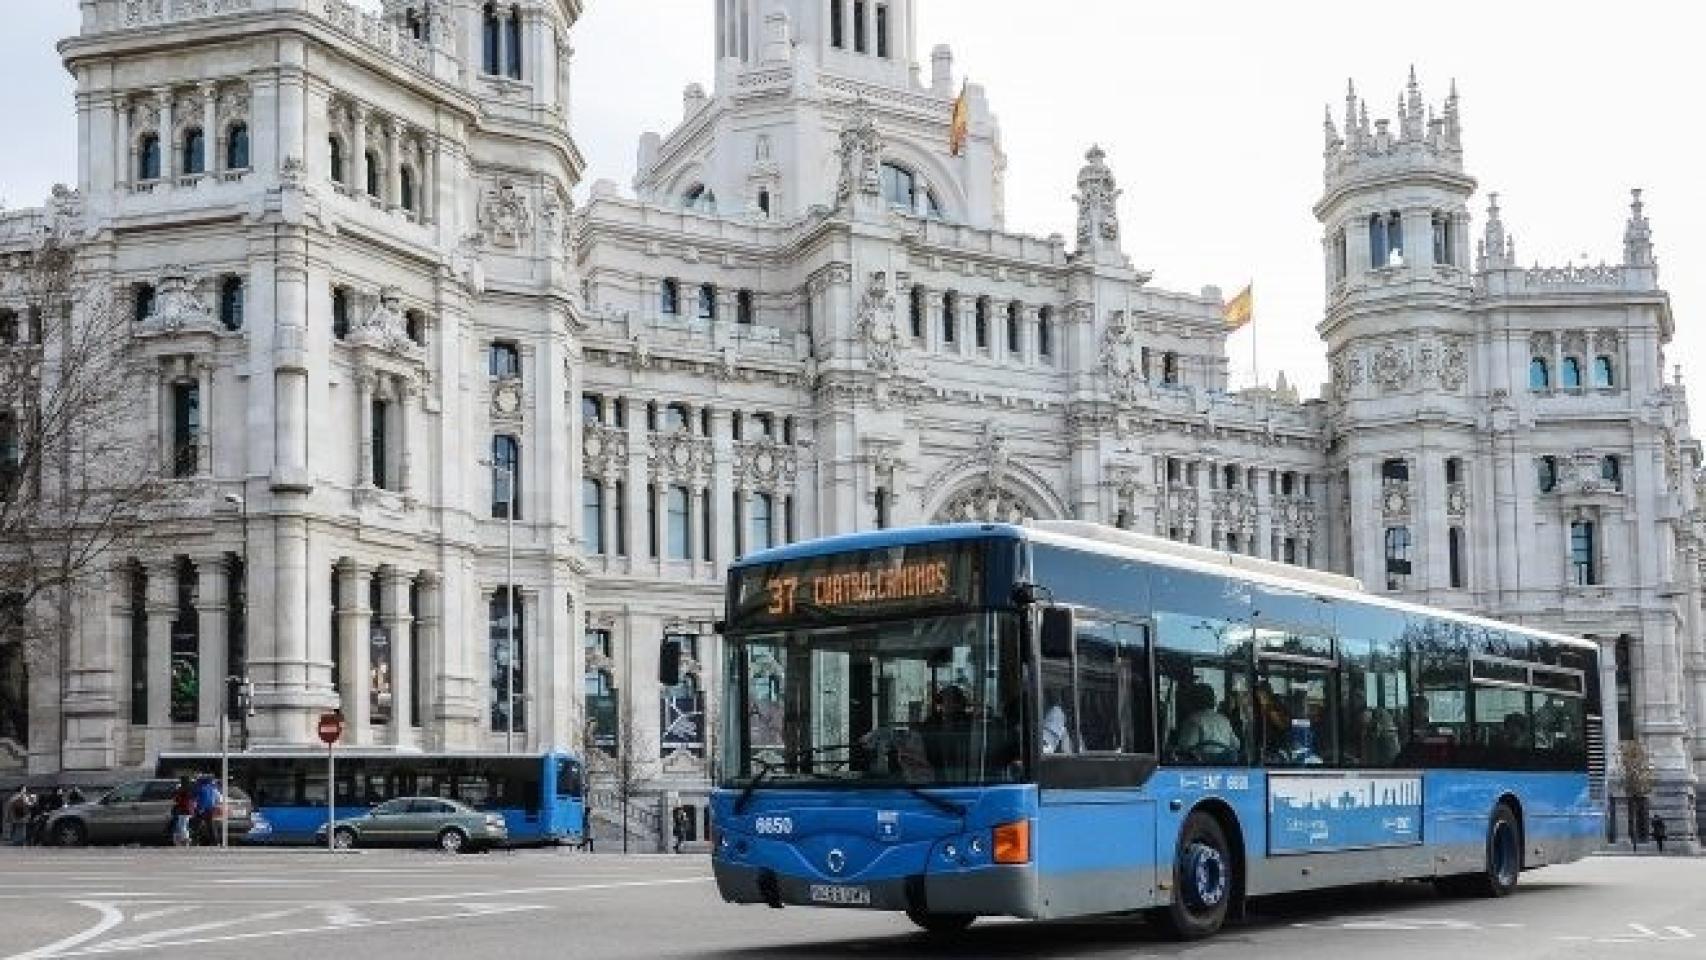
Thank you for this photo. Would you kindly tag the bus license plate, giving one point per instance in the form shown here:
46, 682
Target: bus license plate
841, 896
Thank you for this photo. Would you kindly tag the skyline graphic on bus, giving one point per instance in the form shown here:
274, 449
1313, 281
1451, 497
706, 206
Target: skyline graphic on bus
1331, 813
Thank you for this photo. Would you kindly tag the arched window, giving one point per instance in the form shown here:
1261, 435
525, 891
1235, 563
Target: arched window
489, 39
592, 515
1170, 368
373, 173
743, 308
8, 328
231, 302
414, 327
407, 189
503, 360
1013, 313
950, 315
764, 202
669, 297
237, 147
980, 323
508, 667
142, 300
707, 302
1570, 374
932, 206
506, 475
677, 516
900, 187
699, 198
1457, 562
1045, 333
1604, 375
1546, 473
915, 313
513, 26
195, 157
186, 428
1445, 240
340, 312
1539, 374
336, 149
148, 157
760, 517
1611, 470
1397, 557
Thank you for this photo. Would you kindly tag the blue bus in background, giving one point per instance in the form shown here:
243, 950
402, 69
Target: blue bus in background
540, 795
1063, 719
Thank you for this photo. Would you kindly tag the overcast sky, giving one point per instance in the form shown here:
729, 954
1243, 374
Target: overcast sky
1211, 116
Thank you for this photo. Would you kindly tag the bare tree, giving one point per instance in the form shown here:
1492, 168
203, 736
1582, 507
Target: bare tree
623, 773
1635, 775
79, 474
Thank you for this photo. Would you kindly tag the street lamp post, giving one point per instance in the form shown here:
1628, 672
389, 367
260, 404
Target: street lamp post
242, 506
508, 473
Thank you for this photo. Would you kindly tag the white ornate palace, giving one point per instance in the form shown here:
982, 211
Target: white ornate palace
364, 300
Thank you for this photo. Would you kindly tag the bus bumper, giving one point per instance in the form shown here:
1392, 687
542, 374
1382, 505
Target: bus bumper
985, 891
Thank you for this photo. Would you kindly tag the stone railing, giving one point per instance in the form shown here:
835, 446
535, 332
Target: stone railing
1566, 279
142, 13
375, 34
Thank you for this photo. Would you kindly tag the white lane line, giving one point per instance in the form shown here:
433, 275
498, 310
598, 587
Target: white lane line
147, 915
100, 949
153, 937
111, 917
530, 891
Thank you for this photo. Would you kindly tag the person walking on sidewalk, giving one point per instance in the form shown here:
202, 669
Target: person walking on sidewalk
18, 811
586, 830
183, 808
1658, 826
679, 826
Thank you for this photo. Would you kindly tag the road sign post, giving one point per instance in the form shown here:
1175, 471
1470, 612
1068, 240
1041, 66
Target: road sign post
331, 729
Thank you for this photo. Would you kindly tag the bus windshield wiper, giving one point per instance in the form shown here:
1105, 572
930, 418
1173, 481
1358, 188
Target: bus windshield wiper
745, 797
946, 806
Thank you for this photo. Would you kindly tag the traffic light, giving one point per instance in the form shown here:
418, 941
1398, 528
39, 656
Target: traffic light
239, 699
669, 662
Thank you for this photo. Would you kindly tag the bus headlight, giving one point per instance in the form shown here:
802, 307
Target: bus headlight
1013, 842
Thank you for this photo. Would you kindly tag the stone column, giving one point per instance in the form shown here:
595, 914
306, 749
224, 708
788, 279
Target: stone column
162, 607
1264, 545
125, 169
397, 620
209, 127
354, 627
204, 430
393, 164
429, 180
408, 396
365, 385
168, 155
358, 148
210, 608
722, 485
1205, 504
431, 663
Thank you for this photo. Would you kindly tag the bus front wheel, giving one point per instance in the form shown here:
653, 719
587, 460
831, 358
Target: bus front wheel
940, 924
1498, 876
1203, 875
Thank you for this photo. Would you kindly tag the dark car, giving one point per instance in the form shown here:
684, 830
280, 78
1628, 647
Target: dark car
420, 822
138, 812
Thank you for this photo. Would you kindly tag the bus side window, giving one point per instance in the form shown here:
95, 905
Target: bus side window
1202, 672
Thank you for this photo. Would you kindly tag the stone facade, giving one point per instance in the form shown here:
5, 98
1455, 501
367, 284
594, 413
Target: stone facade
807, 317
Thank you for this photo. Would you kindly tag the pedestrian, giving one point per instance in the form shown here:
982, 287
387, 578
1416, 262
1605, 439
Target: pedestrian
18, 811
74, 796
207, 800
183, 808
678, 826
586, 830
1658, 825
44, 808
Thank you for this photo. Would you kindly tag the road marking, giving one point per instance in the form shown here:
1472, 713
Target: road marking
530, 891
162, 912
99, 949
153, 937
111, 916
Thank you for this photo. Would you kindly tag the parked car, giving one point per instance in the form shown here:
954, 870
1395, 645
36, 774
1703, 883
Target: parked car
450, 825
139, 812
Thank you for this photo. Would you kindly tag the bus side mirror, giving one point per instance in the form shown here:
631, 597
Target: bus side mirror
669, 663
1056, 634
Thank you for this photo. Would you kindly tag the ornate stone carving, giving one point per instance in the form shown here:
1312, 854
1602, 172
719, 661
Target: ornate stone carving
507, 401
1182, 509
1098, 194
1297, 515
1234, 510
876, 325
1453, 364
984, 503
384, 326
1540, 345
506, 216
763, 464
1395, 499
1391, 368
680, 456
1121, 357
604, 450
178, 305
861, 154
1606, 341
1456, 499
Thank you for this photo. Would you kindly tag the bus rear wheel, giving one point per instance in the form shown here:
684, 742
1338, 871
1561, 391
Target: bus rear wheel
1203, 880
940, 924
1498, 876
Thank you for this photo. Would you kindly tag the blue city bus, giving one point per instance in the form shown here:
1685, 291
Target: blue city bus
1063, 719
540, 795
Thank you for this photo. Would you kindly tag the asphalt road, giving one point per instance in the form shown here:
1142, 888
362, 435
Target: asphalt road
385, 905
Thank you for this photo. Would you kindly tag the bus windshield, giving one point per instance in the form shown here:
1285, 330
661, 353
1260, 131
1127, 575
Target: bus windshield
921, 701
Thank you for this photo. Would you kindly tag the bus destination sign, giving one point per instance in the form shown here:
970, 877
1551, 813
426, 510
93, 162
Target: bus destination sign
891, 582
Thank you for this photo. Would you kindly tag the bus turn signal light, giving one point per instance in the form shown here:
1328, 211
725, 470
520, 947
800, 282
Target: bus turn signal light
1013, 842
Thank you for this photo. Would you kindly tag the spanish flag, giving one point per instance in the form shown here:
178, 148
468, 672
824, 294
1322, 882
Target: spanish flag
960, 126
1241, 309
